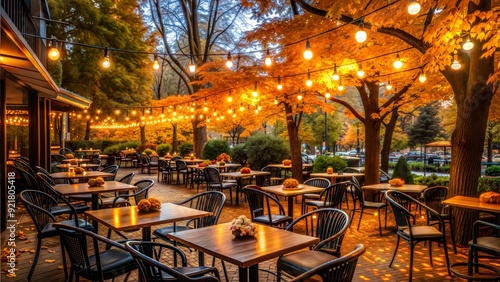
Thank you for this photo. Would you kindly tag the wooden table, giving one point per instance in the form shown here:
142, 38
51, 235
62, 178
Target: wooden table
86, 174
288, 168
290, 193
334, 176
219, 167
407, 188
83, 188
246, 253
474, 204
77, 159
259, 178
87, 151
85, 166
129, 218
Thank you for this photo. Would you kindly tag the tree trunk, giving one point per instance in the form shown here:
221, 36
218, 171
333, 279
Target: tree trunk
199, 137
386, 146
87, 130
143, 134
174, 137
372, 149
293, 136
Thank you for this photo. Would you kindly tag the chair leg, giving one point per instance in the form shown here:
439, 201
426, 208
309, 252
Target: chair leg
446, 256
231, 195
360, 217
35, 260
353, 212
412, 247
395, 251
379, 223
453, 237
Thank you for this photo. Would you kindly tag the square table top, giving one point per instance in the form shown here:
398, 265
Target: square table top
407, 188
237, 174
336, 175
86, 174
268, 243
77, 159
83, 188
471, 203
278, 190
81, 165
128, 218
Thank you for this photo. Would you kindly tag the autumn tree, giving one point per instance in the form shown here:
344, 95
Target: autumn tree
127, 81
199, 28
426, 128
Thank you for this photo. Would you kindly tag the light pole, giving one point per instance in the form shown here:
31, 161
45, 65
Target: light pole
327, 96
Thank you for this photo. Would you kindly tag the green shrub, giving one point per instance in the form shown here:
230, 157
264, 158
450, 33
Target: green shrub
163, 149
416, 166
239, 154
321, 163
431, 168
185, 148
392, 164
444, 169
148, 151
143, 147
492, 170
486, 184
432, 180
265, 149
214, 148
110, 150
402, 170
129, 144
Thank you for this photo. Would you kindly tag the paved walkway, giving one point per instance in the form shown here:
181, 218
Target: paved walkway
372, 266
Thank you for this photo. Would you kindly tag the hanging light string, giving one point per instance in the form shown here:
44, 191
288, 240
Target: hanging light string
352, 21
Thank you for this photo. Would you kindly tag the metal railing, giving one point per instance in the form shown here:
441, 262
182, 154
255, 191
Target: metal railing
19, 12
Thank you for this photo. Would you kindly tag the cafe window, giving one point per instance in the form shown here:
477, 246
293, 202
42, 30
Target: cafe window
17, 120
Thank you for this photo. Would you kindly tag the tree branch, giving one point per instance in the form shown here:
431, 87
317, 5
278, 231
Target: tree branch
349, 107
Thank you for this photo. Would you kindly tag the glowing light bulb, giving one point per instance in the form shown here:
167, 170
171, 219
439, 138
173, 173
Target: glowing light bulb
309, 82
327, 95
308, 53
299, 97
192, 66
230, 98
268, 61
456, 65
422, 77
468, 45
279, 86
106, 63
340, 87
229, 61
389, 85
335, 76
156, 65
361, 34
54, 54
397, 63
413, 7
255, 93
361, 72
276, 101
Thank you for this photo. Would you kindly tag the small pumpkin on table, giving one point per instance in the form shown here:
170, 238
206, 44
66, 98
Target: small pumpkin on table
287, 162
291, 183
396, 182
149, 205
245, 170
96, 182
79, 170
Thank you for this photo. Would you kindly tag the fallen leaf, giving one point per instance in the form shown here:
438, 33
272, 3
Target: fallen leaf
11, 275
60, 266
50, 260
32, 251
51, 251
44, 247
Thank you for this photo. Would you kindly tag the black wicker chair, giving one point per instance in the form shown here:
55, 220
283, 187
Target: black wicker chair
107, 260
127, 178
38, 204
143, 187
259, 203
433, 198
57, 158
336, 270
364, 205
275, 177
110, 169
317, 182
165, 171
152, 269
214, 182
412, 233
331, 197
181, 168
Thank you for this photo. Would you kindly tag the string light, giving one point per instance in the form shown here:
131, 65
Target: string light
389, 85
308, 53
268, 61
361, 33
456, 64
422, 77
276, 100
327, 95
156, 65
255, 93
241, 107
229, 61
279, 86
106, 63
299, 97
192, 66
361, 72
335, 74
54, 52
413, 7
340, 87
230, 97
397, 63
468, 45
309, 82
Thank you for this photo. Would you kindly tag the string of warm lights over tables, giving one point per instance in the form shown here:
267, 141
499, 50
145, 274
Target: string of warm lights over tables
413, 8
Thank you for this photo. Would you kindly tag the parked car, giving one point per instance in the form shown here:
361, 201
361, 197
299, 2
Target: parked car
442, 155
342, 154
419, 156
496, 158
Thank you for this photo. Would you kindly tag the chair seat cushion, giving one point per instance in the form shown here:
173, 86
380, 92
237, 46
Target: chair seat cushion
109, 201
420, 232
190, 271
300, 262
310, 196
368, 204
82, 197
49, 230
58, 210
276, 219
162, 232
114, 261
487, 244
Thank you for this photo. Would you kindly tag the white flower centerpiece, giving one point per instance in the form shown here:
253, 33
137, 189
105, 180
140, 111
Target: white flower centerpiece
242, 227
